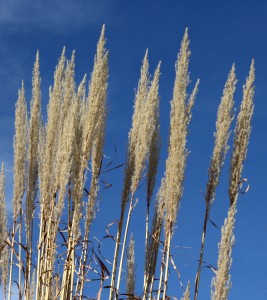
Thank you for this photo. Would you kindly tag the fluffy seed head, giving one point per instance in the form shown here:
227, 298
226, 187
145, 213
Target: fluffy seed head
241, 135
142, 138
20, 148
48, 150
33, 142
221, 282
177, 152
223, 123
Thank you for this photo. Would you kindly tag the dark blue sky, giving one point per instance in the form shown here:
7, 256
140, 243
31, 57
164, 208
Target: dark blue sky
221, 33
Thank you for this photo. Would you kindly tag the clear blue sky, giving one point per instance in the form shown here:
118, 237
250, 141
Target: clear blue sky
221, 32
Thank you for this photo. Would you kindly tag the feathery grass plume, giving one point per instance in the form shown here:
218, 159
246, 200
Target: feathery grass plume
20, 173
153, 160
48, 147
96, 162
224, 120
129, 170
96, 102
68, 117
134, 134
140, 138
48, 151
77, 165
147, 125
130, 282
69, 122
147, 140
241, 135
95, 109
177, 153
33, 142
3, 234
63, 163
222, 133
221, 283
186, 295
180, 117
79, 124
20, 148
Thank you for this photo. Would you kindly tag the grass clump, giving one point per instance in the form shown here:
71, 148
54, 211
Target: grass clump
55, 162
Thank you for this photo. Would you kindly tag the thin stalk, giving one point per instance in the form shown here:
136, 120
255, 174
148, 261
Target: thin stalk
148, 289
167, 265
43, 259
68, 276
84, 254
69, 270
28, 265
161, 273
73, 271
116, 254
151, 288
81, 270
39, 255
20, 253
11, 262
48, 249
124, 241
146, 246
51, 232
204, 229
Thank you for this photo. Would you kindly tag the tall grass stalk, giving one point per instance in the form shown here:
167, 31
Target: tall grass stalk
177, 152
140, 140
223, 124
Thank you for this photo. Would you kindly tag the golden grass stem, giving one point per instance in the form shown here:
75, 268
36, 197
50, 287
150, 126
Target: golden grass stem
161, 275
204, 229
146, 248
167, 256
39, 254
112, 291
131, 208
20, 254
11, 262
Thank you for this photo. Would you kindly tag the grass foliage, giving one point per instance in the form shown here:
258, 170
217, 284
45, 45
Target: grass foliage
47, 254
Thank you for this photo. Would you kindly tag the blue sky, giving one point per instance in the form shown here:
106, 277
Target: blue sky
221, 33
